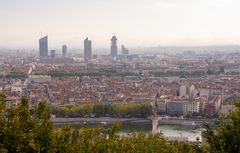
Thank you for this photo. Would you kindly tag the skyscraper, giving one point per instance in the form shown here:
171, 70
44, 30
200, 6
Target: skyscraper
43, 47
64, 51
124, 50
87, 50
114, 46
53, 53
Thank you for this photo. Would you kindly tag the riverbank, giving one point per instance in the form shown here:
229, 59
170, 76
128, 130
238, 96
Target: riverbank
98, 120
127, 120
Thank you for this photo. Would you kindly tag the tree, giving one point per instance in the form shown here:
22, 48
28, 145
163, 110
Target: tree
226, 137
44, 128
2, 122
23, 129
99, 109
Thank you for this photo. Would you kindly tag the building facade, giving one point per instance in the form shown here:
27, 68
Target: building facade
87, 50
64, 51
182, 107
53, 53
43, 47
175, 108
124, 50
191, 107
114, 47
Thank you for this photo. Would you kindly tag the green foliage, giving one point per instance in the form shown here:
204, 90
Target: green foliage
24, 130
19, 75
226, 137
141, 110
91, 73
2, 102
178, 73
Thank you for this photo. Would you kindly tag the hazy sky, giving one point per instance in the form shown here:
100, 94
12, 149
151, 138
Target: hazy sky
137, 23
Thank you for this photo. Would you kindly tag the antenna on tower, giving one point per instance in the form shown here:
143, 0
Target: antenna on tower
41, 34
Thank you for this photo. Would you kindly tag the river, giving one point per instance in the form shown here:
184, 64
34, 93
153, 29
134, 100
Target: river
172, 130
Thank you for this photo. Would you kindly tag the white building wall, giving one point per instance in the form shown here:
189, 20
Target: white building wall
191, 107
183, 90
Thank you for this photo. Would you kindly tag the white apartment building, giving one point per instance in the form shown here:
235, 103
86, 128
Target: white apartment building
191, 107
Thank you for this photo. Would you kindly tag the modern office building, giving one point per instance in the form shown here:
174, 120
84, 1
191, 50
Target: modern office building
64, 51
124, 50
87, 50
114, 46
43, 47
53, 53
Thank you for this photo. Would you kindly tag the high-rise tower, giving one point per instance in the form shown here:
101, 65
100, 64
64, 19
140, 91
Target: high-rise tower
114, 46
124, 50
87, 50
64, 51
53, 53
43, 47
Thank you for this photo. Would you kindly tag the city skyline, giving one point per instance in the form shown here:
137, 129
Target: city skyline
120, 76
142, 23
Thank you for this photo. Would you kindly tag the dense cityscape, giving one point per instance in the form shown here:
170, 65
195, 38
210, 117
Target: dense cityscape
139, 76
190, 83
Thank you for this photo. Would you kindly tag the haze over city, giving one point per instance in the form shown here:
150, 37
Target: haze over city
119, 76
137, 23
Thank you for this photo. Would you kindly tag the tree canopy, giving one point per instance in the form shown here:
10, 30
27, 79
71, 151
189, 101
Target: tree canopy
139, 110
226, 137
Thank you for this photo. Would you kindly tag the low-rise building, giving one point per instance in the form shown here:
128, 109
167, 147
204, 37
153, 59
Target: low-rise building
182, 107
